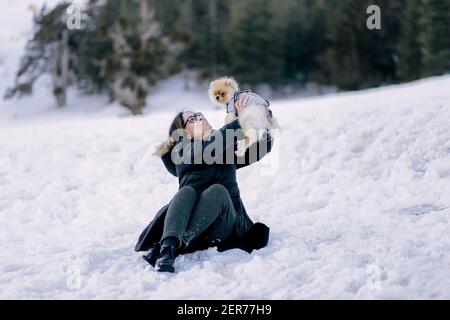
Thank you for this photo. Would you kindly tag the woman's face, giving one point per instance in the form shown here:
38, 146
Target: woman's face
196, 124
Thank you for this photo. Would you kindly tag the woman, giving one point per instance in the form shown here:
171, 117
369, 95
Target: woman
207, 210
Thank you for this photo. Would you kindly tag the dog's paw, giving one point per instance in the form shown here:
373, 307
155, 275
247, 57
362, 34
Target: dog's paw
241, 148
240, 153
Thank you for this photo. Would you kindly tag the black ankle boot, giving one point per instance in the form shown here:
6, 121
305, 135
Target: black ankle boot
166, 259
152, 255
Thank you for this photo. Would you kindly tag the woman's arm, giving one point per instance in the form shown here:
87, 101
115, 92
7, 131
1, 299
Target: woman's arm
168, 163
220, 134
229, 141
256, 151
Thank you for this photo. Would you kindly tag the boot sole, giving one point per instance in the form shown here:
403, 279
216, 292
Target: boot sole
165, 268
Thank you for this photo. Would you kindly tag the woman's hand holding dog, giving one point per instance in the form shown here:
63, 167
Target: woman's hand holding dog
241, 104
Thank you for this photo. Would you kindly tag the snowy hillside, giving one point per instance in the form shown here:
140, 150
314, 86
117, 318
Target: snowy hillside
359, 207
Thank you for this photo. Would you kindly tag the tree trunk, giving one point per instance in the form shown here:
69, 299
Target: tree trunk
60, 69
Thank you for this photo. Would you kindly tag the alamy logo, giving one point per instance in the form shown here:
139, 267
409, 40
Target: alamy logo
374, 20
374, 277
73, 21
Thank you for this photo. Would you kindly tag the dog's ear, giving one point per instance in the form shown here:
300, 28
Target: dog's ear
231, 83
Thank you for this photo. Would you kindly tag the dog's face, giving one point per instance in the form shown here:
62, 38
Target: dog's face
222, 91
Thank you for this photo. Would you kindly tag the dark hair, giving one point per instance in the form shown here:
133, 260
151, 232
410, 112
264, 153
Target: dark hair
177, 123
167, 146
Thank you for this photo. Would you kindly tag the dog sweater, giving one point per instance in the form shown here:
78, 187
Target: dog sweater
254, 99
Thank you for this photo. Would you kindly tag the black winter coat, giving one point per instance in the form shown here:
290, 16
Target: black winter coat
248, 235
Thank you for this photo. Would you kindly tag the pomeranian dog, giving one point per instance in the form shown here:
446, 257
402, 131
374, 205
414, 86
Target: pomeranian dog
255, 119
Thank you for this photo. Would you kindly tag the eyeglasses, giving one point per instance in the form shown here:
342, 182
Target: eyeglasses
194, 118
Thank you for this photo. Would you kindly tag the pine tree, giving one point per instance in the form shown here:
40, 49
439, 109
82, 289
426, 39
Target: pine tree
127, 52
294, 16
409, 48
254, 43
126, 46
50, 51
204, 23
306, 40
358, 57
436, 36
342, 58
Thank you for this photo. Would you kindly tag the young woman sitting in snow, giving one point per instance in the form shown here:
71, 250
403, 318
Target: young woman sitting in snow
207, 211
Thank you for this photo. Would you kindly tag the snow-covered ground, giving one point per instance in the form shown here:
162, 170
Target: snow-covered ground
359, 207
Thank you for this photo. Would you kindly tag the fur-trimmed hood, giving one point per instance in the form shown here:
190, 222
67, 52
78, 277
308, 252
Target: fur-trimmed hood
164, 148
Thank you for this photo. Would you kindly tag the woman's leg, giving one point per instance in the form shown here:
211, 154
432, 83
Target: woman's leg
175, 222
179, 213
213, 213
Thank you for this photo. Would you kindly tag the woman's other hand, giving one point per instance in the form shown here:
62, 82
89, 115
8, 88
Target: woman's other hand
241, 104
